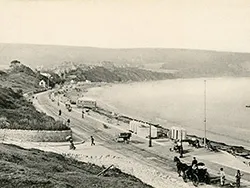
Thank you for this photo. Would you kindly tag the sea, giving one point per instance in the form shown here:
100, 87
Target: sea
186, 103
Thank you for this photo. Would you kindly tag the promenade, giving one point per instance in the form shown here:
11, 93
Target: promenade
159, 157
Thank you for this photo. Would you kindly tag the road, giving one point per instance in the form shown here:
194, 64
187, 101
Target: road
157, 156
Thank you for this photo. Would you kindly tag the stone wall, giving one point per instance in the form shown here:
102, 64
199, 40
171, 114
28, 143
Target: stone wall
34, 135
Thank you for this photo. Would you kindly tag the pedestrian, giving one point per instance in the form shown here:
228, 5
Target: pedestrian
60, 112
222, 177
198, 143
68, 122
82, 113
71, 146
238, 176
180, 148
92, 141
181, 151
194, 162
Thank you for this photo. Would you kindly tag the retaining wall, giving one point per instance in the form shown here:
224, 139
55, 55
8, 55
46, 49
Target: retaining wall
34, 135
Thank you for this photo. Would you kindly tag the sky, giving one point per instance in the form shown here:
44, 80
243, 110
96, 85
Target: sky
222, 25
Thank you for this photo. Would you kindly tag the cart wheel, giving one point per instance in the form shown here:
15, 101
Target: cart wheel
195, 180
184, 176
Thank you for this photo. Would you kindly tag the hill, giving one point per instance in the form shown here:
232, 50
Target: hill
17, 113
116, 74
21, 77
189, 63
34, 168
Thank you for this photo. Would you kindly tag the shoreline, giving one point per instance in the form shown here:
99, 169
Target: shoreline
214, 133
240, 148
236, 150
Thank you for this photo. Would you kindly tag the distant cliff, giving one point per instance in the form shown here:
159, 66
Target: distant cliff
187, 62
116, 74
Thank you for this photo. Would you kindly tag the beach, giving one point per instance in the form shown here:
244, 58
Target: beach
180, 102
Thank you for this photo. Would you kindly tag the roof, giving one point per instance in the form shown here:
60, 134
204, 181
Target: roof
85, 99
45, 74
178, 128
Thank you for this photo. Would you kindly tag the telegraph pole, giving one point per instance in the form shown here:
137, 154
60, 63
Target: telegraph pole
48, 81
205, 113
150, 140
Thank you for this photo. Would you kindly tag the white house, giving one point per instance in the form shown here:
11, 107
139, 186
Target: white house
42, 83
88, 81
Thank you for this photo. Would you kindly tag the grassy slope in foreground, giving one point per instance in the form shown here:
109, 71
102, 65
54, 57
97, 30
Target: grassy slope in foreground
34, 168
17, 113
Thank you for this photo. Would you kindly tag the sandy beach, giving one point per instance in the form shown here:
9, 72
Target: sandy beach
180, 103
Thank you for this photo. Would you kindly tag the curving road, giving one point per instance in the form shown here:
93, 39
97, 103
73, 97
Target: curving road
157, 156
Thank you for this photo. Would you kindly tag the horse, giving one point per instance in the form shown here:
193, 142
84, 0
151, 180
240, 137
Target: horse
181, 167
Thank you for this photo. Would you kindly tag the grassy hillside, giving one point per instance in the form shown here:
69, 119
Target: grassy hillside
187, 62
22, 77
116, 74
17, 113
34, 168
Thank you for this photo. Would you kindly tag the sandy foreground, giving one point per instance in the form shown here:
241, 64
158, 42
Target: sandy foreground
100, 155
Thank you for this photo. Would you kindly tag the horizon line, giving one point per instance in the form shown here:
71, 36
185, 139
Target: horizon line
124, 48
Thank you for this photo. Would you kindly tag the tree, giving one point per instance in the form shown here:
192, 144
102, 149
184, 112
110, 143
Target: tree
15, 63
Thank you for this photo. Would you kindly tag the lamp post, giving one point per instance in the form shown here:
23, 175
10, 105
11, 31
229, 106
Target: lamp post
181, 137
150, 140
205, 114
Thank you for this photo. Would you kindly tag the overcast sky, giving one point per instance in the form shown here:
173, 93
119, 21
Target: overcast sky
198, 24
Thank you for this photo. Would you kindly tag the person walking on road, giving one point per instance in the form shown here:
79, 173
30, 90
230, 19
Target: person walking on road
68, 122
222, 177
92, 141
72, 145
238, 176
60, 112
82, 114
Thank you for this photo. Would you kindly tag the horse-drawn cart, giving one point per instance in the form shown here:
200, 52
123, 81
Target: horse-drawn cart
196, 175
123, 137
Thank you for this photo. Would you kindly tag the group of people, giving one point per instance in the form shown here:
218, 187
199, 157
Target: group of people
238, 176
222, 174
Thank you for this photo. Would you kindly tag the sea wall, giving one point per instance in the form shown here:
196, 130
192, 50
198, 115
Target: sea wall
34, 135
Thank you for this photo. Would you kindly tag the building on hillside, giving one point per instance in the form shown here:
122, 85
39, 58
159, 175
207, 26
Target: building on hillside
42, 83
87, 81
46, 74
